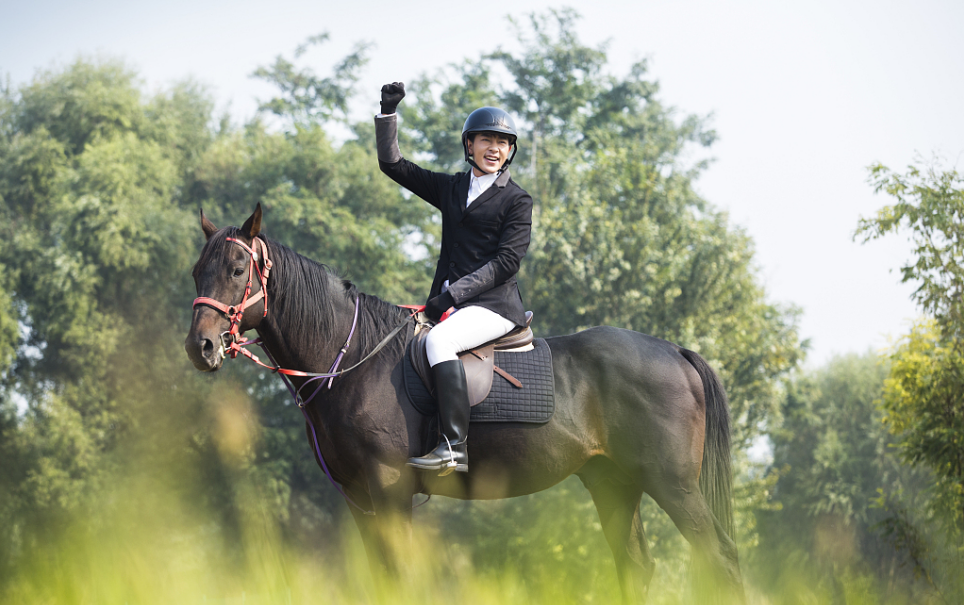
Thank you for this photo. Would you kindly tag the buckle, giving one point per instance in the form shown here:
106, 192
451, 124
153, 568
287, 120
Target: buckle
225, 343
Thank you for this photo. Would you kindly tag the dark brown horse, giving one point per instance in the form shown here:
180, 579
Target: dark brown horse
633, 414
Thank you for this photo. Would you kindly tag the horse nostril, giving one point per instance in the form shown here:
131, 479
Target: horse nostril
207, 347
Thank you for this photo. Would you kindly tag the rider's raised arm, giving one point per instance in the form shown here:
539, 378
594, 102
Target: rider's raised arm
425, 184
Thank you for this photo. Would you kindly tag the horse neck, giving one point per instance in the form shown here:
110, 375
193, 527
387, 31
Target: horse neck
309, 316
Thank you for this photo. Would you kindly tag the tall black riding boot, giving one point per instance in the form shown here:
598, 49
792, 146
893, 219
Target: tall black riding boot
451, 454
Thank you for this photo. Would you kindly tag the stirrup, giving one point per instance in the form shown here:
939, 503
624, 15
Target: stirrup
449, 466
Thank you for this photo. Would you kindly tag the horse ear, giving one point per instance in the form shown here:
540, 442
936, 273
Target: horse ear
252, 227
207, 226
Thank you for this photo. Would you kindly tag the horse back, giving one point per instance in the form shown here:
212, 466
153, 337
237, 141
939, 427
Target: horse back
621, 386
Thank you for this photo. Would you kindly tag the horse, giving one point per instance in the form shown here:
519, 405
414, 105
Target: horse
634, 414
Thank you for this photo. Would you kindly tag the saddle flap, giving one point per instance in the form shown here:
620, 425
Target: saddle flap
479, 363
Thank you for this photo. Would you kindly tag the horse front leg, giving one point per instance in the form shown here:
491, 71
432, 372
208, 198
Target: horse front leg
386, 524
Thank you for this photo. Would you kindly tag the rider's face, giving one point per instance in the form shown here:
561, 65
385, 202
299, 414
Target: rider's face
489, 150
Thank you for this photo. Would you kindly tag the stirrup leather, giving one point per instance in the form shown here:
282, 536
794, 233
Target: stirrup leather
451, 463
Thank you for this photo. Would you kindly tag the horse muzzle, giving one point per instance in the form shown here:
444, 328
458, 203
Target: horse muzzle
206, 354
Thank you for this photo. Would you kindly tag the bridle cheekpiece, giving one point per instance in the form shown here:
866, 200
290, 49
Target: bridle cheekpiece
231, 339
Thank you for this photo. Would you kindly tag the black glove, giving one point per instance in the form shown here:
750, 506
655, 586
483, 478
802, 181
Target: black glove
392, 95
435, 307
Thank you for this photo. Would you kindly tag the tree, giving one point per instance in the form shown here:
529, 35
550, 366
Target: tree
923, 402
96, 242
834, 459
923, 396
930, 207
306, 98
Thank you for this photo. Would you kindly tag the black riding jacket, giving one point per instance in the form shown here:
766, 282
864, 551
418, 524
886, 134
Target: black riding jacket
482, 245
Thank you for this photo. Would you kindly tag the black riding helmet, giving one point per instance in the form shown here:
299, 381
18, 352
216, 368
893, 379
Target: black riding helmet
489, 119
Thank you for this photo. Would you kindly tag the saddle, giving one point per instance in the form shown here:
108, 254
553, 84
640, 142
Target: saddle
479, 363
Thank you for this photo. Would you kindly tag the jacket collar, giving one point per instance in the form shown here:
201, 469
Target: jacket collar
486, 195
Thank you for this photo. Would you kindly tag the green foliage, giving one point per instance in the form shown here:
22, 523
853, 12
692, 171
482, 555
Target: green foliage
835, 461
930, 204
78, 105
305, 97
93, 253
923, 400
9, 330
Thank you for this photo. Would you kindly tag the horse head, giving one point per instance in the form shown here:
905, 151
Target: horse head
230, 277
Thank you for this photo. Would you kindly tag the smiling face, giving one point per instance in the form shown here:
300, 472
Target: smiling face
490, 150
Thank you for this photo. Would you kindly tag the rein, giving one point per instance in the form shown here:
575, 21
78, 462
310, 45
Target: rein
233, 345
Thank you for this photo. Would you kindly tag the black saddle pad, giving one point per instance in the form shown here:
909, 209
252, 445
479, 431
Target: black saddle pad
534, 402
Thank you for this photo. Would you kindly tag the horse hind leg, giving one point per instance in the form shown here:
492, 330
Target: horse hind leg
617, 504
717, 568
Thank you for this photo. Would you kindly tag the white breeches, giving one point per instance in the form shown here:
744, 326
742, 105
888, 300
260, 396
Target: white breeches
468, 327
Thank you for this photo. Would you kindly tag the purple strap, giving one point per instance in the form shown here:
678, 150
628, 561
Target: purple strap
314, 435
344, 349
324, 467
302, 403
334, 366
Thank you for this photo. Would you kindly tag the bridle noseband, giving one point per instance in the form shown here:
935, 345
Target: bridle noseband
231, 345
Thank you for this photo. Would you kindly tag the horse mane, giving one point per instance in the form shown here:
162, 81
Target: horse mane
302, 295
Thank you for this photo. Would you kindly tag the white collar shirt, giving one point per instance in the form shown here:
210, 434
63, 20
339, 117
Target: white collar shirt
478, 185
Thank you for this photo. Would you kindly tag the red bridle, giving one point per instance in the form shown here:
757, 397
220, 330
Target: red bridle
235, 313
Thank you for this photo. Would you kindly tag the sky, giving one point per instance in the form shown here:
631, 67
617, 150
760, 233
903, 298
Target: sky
804, 97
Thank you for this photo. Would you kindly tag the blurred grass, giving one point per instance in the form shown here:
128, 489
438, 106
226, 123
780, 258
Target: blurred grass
153, 550
148, 538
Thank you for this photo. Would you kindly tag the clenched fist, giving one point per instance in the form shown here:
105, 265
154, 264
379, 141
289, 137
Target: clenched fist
392, 95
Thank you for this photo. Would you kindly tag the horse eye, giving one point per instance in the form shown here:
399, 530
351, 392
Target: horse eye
238, 272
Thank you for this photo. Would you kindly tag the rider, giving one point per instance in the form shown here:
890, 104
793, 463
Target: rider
486, 221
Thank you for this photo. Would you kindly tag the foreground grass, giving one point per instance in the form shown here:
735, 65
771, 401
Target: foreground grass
148, 540
130, 561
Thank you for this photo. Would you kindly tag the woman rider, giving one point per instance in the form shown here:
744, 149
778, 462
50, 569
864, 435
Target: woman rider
486, 220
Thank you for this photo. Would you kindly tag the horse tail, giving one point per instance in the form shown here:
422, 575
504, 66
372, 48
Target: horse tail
716, 475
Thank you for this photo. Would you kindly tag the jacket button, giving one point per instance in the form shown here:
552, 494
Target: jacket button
456, 244
452, 264
460, 223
